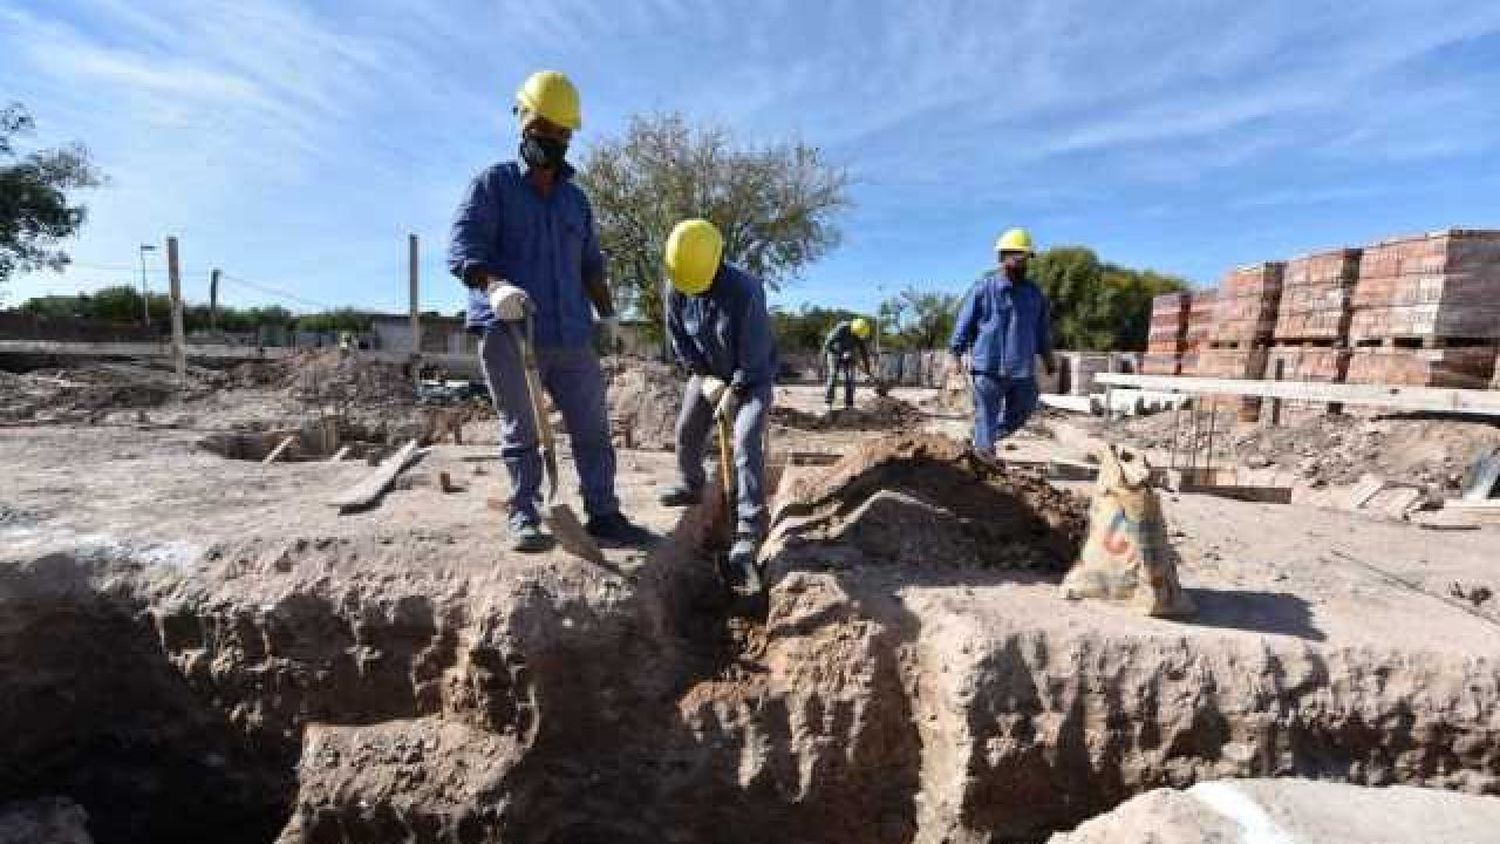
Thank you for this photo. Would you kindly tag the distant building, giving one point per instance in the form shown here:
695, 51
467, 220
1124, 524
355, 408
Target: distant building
440, 334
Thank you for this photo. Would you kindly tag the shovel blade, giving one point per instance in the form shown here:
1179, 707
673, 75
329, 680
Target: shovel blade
570, 533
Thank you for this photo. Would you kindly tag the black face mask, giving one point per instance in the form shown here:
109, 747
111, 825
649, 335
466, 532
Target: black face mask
543, 153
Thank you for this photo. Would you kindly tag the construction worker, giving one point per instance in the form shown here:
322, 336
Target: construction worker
525, 245
840, 347
721, 334
1003, 325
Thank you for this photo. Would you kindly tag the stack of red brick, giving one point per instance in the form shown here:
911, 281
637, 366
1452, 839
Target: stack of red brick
1243, 323
1316, 293
1200, 324
1426, 311
1168, 334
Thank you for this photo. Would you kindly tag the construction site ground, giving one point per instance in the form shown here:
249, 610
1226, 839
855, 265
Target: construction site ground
256, 666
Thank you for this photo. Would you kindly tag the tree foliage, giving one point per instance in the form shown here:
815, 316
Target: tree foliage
122, 304
917, 318
35, 213
804, 330
1098, 305
775, 204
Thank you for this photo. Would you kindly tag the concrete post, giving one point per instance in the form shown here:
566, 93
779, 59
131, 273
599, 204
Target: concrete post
179, 341
416, 316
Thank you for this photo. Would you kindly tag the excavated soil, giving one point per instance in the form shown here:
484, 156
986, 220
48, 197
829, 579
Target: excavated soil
881, 413
1329, 449
204, 651
644, 397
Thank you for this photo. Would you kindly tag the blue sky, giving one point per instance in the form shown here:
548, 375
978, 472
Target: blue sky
295, 144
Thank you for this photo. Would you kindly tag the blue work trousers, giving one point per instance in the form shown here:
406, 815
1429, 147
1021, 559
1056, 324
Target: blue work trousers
693, 424
1001, 407
573, 379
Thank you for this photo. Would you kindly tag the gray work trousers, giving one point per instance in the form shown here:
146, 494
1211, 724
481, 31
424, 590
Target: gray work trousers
573, 379
693, 424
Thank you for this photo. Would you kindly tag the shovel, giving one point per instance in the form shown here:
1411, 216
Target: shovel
559, 517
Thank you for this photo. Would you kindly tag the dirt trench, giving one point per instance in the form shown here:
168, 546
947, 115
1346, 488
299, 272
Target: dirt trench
895, 688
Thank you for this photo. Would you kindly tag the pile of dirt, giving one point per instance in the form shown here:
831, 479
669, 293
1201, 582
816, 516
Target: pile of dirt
644, 397
332, 376
883, 413
1333, 449
928, 499
85, 393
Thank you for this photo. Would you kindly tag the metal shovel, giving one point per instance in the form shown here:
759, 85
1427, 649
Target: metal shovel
559, 517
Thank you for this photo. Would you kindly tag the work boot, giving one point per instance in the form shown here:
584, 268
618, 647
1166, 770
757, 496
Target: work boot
743, 571
615, 529
680, 495
525, 535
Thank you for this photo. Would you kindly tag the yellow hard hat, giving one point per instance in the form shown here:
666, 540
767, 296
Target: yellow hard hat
861, 328
550, 95
694, 249
1015, 240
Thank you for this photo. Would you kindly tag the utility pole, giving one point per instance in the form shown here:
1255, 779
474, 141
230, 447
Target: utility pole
416, 316
179, 342
145, 294
213, 299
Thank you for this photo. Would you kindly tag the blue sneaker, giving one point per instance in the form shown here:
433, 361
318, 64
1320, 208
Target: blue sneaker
743, 570
526, 535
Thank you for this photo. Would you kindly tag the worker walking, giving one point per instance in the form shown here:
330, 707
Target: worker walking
1004, 324
525, 245
721, 334
844, 342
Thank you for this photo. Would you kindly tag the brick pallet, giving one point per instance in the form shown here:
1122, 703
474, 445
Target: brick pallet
1315, 363
1471, 367
1200, 321
1161, 364
1317, 296
1440, 285
1245, 309
1247, 364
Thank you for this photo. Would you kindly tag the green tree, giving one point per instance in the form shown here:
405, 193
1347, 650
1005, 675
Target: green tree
1098, 305
917, 318
804, 330
775, 204
35, 214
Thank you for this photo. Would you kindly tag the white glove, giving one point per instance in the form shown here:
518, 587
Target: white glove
728, 406
712, 389
609, 328
509, 302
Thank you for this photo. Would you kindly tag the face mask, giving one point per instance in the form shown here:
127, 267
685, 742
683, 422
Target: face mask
539, 152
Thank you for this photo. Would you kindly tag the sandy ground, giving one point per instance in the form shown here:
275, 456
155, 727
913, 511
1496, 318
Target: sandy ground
1264, 568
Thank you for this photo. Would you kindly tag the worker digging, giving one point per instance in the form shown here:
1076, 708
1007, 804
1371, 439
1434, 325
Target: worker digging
721, 335
525, 245
1004, 325
846, 342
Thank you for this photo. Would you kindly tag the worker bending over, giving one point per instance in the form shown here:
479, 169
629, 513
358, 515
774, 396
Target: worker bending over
525, 245
1003, 325
721, 334
846, 340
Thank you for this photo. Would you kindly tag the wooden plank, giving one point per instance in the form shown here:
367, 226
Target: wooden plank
340, 454
1430, 399
285, 443
373, 486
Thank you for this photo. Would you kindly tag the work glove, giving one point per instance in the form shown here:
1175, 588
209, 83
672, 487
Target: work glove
729, 404
509, 302
713, 389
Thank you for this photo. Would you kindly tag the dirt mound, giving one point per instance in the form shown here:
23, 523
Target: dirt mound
86, 392
925, 498
644, 397
1333, 449
883, 413
332, 376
